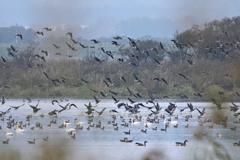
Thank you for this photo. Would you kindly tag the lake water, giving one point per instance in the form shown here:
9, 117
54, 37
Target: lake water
105, 144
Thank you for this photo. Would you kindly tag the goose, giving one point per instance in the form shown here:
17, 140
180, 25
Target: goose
181, 143
234, 129
5, 142
124, 140
73, 137
140, 144
45, 139
144, 131
164, 129
154, 128
236, 143
31, 142
127, 132
9, 133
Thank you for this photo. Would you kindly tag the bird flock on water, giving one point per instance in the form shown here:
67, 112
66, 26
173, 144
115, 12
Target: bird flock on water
133, 107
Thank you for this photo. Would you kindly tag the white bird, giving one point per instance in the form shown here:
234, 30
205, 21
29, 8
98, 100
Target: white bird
64, 122
173, 122
165, 122
134, 123
77, 122
219, 135
70, 129
148, 124
19, 130
9, 133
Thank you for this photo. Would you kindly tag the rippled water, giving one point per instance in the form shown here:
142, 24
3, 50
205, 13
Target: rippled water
105, 144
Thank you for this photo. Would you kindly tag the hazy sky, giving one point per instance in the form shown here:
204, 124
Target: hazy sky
183, 13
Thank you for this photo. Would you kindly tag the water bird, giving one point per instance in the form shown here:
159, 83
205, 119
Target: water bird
19, 130
5, 142
31, 142
35, 109
9, 133
141, 144
127, 132
45, 139
182, 143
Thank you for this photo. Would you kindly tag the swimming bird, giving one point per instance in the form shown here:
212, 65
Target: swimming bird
19, 130
69, 129
182, 143
127, 132
140, 144
5, 142
45, 139
9, 133
31, 142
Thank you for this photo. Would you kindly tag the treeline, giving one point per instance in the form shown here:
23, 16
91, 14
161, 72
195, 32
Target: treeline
189, 66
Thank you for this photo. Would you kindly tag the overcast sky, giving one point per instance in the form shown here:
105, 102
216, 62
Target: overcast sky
183, 13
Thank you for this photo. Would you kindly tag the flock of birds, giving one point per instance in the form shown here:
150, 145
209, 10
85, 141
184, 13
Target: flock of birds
132, 107
153, 114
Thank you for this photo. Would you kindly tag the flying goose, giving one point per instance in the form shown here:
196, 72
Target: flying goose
101, 112
115, 100
47, 29
96, 99
19, 35
35, 109
38, 32
57, 47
